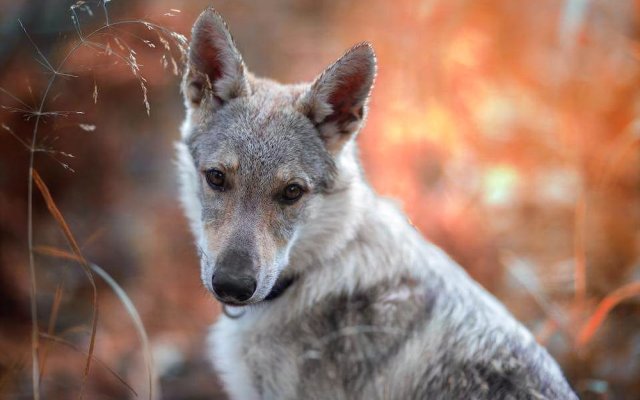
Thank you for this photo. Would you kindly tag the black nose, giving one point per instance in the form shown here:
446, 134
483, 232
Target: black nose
234, 276
230, 287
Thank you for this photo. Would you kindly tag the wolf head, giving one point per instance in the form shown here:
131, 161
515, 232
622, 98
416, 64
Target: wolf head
259, 159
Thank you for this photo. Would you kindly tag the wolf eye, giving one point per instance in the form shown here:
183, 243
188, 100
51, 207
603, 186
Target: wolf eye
215, 179
292, 193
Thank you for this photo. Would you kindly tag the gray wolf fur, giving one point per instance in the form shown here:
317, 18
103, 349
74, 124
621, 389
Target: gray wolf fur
276, 198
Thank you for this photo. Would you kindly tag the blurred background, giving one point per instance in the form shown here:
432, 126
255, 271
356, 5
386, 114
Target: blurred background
508, 130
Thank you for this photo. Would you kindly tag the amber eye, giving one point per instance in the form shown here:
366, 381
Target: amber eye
292, 193
215, 179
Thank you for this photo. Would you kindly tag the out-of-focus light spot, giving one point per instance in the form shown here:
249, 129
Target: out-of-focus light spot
467, 49
394, 132
495, 115
413, 125
558, 186
499, 185
598, 386
439, 123
572, 18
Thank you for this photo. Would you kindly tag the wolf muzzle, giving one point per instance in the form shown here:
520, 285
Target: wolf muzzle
234, 277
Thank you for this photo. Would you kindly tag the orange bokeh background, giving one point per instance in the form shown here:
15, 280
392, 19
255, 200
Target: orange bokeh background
507, 130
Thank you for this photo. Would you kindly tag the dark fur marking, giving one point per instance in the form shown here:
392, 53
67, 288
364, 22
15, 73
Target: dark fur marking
356, 336
512, 372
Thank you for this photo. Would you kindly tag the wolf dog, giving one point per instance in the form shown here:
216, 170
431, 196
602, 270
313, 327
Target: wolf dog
329, 291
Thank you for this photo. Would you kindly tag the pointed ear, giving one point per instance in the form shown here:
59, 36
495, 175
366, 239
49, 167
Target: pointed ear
337, 100
215, 70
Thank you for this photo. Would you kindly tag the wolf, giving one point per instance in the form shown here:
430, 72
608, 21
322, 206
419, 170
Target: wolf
329, 291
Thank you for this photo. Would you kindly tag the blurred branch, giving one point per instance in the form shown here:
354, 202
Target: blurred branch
604, 308
624, 143
579, 251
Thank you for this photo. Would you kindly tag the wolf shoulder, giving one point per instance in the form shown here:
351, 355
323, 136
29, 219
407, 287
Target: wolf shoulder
454, 338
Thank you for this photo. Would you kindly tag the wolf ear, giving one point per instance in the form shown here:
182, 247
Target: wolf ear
337, 101
215, 70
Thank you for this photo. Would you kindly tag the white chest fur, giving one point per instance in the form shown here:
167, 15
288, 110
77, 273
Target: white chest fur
225, 349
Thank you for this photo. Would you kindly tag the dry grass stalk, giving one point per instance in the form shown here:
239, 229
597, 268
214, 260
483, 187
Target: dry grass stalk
57, 215
126, 302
